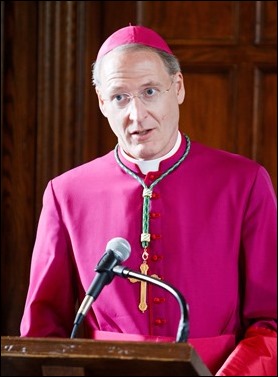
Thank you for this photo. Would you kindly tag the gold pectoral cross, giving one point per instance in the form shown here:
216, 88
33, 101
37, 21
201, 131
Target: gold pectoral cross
143, 288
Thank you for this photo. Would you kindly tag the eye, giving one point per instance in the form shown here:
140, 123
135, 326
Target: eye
150, 92
121, 98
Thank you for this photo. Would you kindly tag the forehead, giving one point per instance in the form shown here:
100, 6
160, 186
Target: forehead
132, 67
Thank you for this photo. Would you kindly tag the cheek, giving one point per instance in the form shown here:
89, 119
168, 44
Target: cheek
170, 111
116, 123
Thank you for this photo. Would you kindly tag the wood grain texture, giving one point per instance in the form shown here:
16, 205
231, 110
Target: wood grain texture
50, 116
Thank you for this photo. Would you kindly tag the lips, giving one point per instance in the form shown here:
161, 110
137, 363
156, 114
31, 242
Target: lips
141, 133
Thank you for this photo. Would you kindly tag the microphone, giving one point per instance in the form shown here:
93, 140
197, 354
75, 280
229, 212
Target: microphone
117, 250
183, 328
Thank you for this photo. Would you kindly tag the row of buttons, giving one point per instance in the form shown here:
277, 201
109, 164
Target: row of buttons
156, 258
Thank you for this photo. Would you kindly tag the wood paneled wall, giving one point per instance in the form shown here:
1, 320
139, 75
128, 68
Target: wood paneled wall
50, 121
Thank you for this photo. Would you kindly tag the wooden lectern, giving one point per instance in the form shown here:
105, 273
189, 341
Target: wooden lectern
87, 357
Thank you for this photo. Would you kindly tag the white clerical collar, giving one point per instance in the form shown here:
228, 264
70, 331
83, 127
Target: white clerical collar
153, 165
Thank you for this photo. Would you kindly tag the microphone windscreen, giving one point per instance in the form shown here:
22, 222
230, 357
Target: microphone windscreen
120, 247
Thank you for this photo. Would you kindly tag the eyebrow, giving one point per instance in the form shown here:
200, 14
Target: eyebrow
120, 88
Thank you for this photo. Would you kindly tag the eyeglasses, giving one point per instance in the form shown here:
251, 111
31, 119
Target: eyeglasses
148, 96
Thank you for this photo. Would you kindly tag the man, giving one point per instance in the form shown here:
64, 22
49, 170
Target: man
199, 219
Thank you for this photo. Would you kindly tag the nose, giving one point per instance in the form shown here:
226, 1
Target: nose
137, 110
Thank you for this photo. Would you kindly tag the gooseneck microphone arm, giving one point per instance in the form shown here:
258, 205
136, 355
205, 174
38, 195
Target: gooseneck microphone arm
117, 250
183, 328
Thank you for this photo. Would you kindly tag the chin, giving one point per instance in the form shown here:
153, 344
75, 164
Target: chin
145, 155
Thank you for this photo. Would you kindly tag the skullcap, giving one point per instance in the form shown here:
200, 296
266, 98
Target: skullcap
133, 34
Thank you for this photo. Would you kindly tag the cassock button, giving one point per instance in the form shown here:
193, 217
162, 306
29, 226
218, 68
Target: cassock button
159, 300
154, 215
153, 176
155, 195
159, 322
156, 257
155, 236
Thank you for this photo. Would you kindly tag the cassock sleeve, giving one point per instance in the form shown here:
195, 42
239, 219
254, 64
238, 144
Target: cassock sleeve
50, 303
255, 355
256, 352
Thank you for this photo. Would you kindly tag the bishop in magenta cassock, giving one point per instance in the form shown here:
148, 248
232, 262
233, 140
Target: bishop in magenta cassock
200, 219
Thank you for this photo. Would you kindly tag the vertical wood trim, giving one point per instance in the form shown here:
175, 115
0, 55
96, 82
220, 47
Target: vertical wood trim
56, 90
258, 22
18, 77
68, 114
257, 113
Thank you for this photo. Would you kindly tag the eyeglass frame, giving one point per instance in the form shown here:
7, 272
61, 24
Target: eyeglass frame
139, 95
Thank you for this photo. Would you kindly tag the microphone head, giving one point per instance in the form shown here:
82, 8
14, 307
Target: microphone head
120, 247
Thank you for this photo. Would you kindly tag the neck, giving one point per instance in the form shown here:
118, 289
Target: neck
153, 165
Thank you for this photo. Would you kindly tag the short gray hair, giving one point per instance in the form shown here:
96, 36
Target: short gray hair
170, 61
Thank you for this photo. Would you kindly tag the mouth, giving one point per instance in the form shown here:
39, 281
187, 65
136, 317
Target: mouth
140, 133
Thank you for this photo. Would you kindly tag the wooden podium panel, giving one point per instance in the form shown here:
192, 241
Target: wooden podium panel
87, 357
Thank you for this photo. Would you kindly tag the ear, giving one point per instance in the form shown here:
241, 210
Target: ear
101, 103
180, 89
